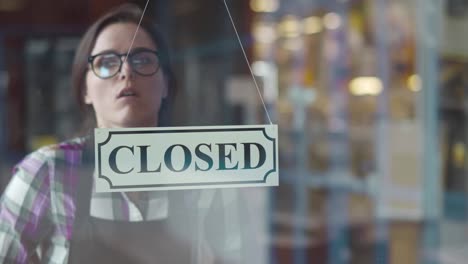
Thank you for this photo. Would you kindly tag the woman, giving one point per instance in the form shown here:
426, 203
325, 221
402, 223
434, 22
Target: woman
49, 212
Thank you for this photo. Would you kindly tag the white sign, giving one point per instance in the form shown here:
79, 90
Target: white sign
174, 158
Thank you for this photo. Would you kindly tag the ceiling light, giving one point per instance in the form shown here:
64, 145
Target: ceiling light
332, 21
265, 6
312, 25
414, 83
264, 33
365, 86
290, 27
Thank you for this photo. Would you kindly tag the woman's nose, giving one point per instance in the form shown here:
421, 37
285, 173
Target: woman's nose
126, 70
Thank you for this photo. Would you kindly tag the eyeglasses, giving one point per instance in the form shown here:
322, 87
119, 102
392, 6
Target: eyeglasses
106, 65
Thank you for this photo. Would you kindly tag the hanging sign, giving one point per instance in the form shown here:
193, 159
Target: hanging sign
174, 158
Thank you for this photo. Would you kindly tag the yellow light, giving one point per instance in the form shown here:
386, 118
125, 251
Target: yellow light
365, 86
414, 83
312, 25
265, 6
264, 33
332, 21
290, 27
458, 154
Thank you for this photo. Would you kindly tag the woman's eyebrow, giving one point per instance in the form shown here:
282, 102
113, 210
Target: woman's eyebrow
141, 48
105, 51
136, 49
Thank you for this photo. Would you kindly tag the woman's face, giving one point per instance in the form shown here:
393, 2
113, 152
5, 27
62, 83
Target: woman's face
126, 99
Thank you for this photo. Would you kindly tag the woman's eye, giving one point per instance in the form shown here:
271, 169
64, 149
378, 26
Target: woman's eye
108, 62
143, 59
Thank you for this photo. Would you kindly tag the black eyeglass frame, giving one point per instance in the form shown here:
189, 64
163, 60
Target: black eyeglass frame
120, 55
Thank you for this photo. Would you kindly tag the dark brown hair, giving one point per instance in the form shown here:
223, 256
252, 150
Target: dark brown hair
126, 13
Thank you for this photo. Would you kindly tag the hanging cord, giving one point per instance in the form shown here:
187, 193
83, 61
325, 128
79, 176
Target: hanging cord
138, 27
247, 61
240, 43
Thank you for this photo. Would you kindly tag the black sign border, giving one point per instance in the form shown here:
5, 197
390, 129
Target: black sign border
211, 184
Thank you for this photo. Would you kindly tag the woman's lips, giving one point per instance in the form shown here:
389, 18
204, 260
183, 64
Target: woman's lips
127, 92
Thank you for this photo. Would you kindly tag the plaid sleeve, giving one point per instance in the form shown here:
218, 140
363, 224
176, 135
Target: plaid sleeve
24, 209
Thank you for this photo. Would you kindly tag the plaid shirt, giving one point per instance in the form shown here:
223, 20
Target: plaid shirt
37, 209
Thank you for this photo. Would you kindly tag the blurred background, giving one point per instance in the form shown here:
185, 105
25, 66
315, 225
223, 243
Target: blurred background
370, 97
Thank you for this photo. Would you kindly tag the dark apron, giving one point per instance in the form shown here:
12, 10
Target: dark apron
108, 241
